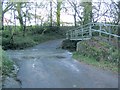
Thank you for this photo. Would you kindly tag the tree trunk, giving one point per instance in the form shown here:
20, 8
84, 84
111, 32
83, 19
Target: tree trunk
21, 20
51, 13
75, 15
24, 30
119, 31
15, 20
2, 16
87, 12
75, 20
2, 21
58, 12
20, 17
35, 12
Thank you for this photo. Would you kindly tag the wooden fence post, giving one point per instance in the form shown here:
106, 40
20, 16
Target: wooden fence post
76, 34
109, 34
100, 27
90, 31
82, 33
70, 34
67, 36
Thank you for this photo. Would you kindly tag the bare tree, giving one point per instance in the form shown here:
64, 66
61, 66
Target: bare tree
1, 22
9, 5
74, 5
108, 11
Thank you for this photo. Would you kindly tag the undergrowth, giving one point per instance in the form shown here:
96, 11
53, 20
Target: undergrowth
92, 61
33, 36
98, 53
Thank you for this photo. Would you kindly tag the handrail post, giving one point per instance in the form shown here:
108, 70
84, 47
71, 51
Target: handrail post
76, 33
109, 33
67, 35
73, 33
100, 27
70, 34
90, 31
82, 32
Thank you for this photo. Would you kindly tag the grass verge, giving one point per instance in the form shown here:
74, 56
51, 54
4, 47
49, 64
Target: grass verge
92, 61
6, 64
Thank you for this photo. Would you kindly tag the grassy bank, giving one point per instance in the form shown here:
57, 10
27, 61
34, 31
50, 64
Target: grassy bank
98, 53
92, 61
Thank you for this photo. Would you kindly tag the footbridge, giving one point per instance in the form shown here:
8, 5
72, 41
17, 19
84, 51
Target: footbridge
90, 30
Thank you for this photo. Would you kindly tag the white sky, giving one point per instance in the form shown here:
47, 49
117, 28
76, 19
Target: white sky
64, 17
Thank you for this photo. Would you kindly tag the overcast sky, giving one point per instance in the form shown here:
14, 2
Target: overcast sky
64, 16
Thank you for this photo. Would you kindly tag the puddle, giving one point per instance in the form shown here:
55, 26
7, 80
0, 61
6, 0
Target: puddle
59, 57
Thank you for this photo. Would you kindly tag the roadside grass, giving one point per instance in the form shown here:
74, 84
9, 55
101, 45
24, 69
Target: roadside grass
6, 64
92, 61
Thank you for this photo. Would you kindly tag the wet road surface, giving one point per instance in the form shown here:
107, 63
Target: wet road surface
48, 66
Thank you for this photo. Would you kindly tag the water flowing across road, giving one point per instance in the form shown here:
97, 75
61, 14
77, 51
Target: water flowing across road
47, 66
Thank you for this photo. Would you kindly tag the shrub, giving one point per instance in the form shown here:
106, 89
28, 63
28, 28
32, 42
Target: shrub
6, 33
5, 43
34, 29
20, 42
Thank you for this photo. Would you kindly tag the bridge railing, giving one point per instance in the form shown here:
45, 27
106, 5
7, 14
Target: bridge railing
106, 28
89, 29
78, 32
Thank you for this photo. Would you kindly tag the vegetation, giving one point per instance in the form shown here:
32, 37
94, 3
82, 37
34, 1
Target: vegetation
92, 61
98, 53
33, 36
6, 63
0, 58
